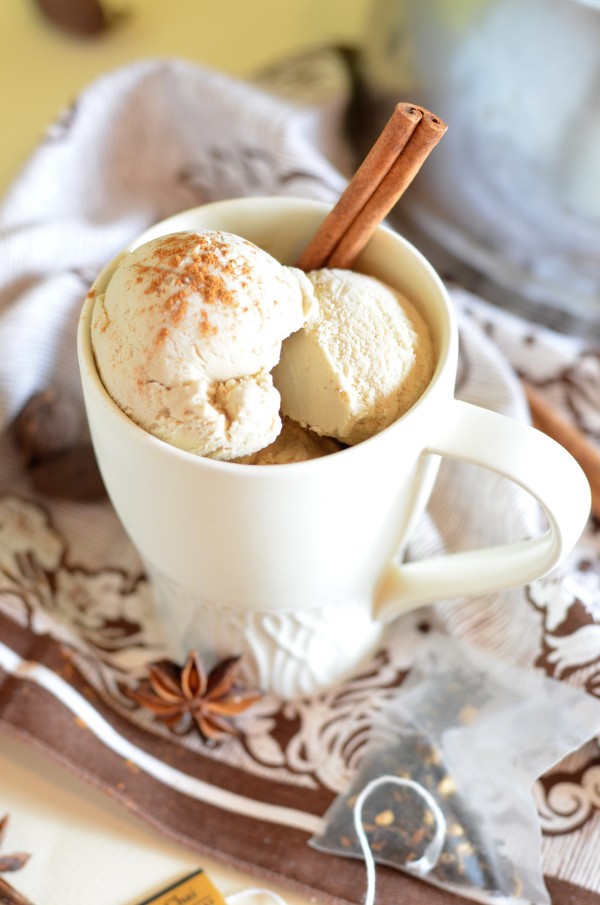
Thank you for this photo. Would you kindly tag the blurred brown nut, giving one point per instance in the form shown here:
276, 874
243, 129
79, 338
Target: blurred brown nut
49, 423
72, 475
82, 18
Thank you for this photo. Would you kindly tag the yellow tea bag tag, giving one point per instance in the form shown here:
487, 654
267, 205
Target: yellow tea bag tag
195, 889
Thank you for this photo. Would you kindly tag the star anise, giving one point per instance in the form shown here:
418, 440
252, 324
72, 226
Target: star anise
184, 697
9, 895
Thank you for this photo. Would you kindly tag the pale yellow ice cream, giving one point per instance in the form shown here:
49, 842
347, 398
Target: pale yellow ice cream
205, 341
294, 444
187, 333
362, 359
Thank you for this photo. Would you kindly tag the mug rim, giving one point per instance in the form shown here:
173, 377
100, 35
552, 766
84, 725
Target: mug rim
91, 376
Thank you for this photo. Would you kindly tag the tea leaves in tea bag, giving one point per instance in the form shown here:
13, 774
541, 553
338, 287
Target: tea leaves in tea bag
473, 733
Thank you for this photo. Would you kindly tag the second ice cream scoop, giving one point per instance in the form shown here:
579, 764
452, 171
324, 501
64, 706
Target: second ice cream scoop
362, 358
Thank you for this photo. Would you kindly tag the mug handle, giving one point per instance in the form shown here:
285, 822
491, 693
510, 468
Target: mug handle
532, 460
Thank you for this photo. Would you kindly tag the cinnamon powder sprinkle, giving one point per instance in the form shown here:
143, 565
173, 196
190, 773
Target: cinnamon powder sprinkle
187, 265
206, 328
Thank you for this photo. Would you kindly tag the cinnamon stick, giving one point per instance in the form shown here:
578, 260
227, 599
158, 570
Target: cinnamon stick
378, 162
548, 420
425, 137
400, 151
10, 896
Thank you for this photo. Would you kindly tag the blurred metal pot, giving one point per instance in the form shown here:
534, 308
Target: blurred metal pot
512, 194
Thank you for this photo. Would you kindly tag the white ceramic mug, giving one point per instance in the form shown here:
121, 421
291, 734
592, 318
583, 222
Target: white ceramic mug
297, 567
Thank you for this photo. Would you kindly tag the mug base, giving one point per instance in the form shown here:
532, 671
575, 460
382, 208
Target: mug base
289, 653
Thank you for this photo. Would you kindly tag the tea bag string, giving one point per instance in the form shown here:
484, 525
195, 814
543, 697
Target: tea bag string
422, 866
430, 856
252, 892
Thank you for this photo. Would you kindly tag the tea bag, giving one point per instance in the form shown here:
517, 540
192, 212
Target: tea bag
468, 734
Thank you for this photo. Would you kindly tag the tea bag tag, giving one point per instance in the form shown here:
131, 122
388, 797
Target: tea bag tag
433, 850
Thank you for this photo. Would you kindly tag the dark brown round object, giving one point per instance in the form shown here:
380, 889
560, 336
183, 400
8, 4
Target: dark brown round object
49, 423
79, 17
73, 475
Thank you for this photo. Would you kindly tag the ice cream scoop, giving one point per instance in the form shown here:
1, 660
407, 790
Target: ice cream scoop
186, 334
295, 443
362, 358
